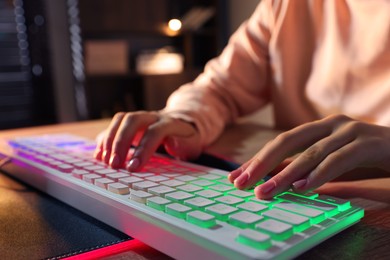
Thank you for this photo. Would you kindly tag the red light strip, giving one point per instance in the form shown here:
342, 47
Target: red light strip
106, 251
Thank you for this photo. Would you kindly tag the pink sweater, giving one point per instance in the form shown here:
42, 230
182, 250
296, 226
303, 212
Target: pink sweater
309, 58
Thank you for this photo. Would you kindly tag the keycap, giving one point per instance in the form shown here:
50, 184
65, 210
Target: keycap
118, 188
315, 215
252, 206
161, 190
198, 202
179, 196
300, 223
157, 203
201, 219
244, 219
329, 209
276, 229
140, 196
177, 210
221, 211
103, 182
254, 239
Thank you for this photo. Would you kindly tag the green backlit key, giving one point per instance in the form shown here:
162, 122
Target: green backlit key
299, 222
198, 202
254, 239
201, 219
315, 215
252, 206
340, 203
177, 210
157, 203
244, 219
221, 211
329, 209
276, 229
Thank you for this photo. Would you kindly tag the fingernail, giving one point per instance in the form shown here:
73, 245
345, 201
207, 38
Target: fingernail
133, 164
299, 184
97, 154
114, 161
106, 156
267, 187
242, 179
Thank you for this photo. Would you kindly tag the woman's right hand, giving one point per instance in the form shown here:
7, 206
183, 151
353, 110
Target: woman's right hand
146, 131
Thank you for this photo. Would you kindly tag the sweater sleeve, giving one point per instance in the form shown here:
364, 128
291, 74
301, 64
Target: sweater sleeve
233, 84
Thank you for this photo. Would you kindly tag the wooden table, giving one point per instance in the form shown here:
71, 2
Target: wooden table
368, 239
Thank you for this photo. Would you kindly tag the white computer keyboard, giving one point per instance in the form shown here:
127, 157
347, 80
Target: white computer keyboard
185, 210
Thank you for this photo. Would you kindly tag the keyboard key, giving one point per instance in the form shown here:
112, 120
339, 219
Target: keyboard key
79, 173
140, 196
276, 229
202, 183
157, 178
329, 209
104, 172
230, 200
315, 215
189, 188
144, 185
252, 207
254, 239
118, 188
300, 223
340, 203
221, 187
208, 194
177, 210
244, 219
103, 182
93, 168
130, 180
179, 196
90, 178
241, 194
185, 178
198, 202
117, 176
157, 203
161, 190
210, 177
264, 202
172, 183
221, 211
201, 219
67, 168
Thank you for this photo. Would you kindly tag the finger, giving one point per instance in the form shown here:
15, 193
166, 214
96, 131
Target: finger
99, 145
110, 135
307, 161
335, 164
287, 144
371, 189
131, 126
154, 136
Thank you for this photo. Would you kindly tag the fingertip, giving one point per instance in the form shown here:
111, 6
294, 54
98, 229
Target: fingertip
134, 164
106, 156
265, 190
234, 174
98, 154
300, 185
115, 161
241, 180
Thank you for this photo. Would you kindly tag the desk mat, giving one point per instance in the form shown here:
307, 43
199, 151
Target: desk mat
34, 225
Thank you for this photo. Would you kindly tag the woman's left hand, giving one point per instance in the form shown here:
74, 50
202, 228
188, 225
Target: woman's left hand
323, 149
